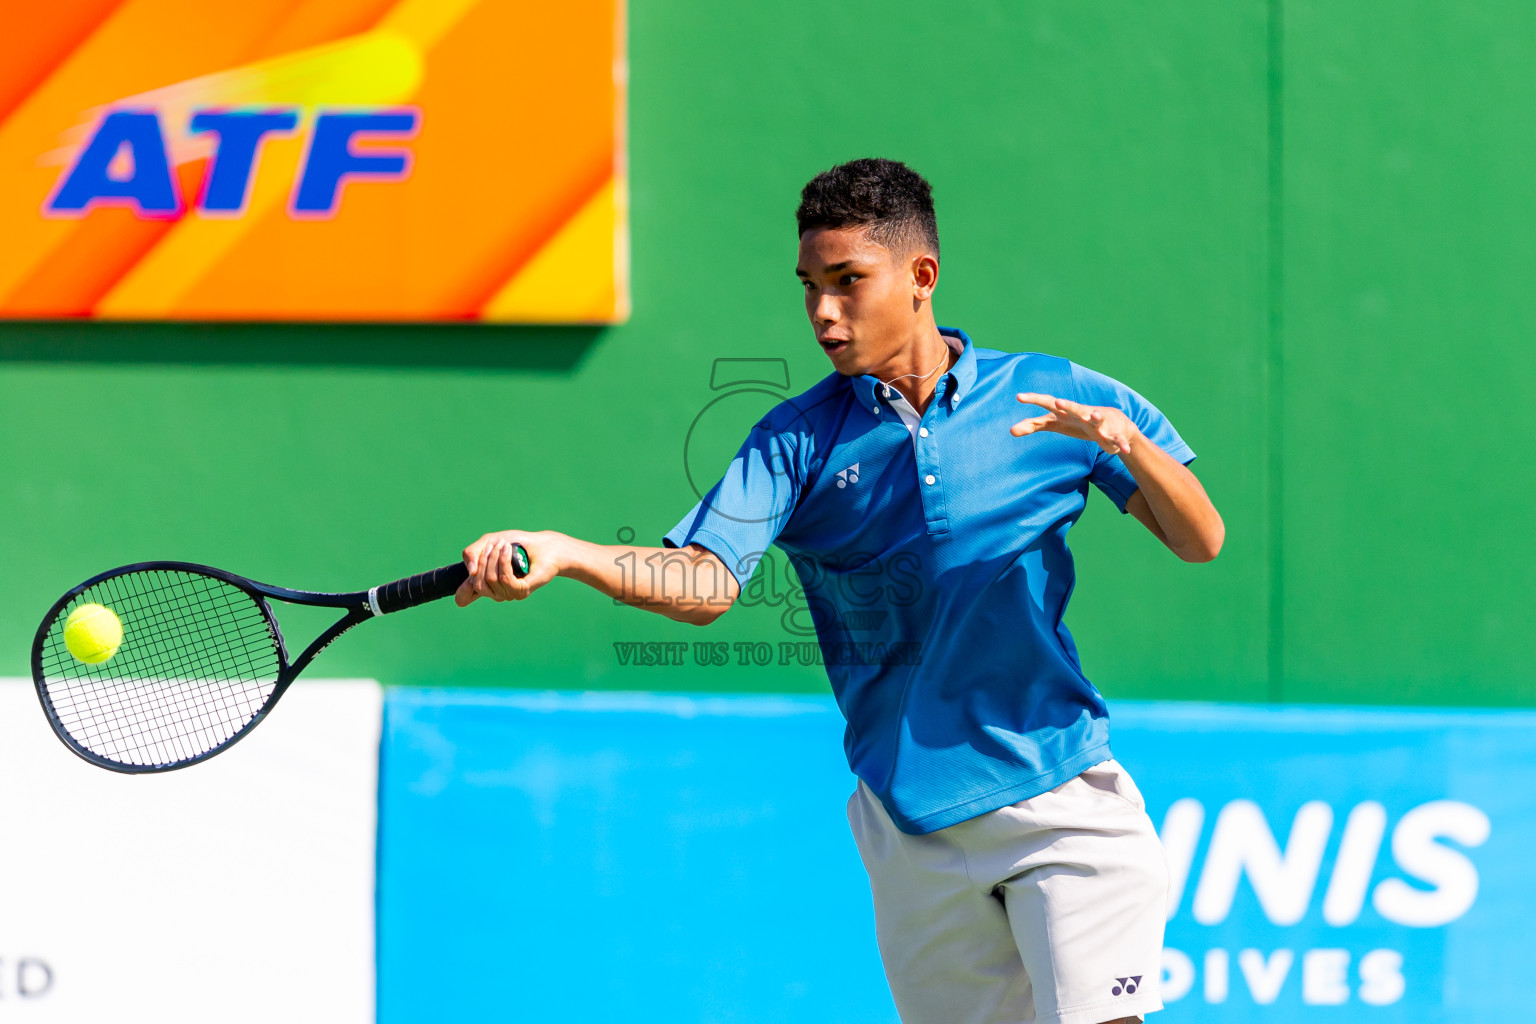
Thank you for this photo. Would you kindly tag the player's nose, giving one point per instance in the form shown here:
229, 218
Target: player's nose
825, 312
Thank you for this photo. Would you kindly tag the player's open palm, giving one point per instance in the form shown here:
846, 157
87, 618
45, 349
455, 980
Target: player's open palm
1106, 426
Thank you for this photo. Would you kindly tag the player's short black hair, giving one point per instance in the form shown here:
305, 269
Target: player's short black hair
893, 199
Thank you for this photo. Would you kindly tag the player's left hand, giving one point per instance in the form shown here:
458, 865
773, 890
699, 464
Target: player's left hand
1104, 425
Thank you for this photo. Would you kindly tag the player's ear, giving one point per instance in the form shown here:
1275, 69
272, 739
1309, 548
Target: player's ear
925, 274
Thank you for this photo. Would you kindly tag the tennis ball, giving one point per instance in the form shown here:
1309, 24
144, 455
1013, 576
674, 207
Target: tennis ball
93, 633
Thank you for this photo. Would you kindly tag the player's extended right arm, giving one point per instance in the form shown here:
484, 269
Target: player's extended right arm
688, 584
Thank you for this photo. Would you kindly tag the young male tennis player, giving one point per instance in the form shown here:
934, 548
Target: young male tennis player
1016, 876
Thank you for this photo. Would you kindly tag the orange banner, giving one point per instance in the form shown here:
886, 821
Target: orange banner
385, 160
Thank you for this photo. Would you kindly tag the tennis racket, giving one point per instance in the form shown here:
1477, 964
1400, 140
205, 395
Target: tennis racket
202, 658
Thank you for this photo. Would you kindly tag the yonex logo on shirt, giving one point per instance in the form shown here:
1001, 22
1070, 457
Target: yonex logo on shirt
848, 476
1126, 985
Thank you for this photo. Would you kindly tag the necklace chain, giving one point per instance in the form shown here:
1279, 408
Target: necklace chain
925, 376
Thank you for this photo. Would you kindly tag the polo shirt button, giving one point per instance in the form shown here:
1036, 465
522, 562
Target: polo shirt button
930, 480
922, 431
876, 410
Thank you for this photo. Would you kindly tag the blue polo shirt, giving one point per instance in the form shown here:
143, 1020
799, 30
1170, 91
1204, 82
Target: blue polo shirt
935, 567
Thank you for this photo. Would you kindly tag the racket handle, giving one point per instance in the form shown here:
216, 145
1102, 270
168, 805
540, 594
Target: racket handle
432, 586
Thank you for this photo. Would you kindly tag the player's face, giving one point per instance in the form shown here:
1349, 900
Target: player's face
862, 298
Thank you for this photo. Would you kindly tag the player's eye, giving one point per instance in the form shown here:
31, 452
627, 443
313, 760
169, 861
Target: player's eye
847, 279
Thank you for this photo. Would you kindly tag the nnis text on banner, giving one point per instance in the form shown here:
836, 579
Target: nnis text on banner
1435, 883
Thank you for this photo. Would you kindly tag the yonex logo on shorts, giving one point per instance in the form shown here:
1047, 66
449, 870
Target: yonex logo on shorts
1126, 985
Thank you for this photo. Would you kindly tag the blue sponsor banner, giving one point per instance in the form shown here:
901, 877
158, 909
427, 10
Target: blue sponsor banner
593, 857
620, 857
1341, 864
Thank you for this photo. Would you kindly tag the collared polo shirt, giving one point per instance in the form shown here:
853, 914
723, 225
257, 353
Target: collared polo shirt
935, 567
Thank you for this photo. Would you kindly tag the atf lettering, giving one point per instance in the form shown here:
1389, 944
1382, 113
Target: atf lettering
125, 161
130, 137
240, 134
331, 159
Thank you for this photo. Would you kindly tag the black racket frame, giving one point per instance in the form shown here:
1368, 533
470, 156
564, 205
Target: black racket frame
360, 606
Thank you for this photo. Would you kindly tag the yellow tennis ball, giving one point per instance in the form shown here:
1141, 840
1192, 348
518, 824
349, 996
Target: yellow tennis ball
93, 633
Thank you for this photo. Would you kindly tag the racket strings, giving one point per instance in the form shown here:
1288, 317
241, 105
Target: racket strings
186, 719
116, 720
172, 720
198, 662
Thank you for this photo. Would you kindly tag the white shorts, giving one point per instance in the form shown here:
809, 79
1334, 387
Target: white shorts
1048, 910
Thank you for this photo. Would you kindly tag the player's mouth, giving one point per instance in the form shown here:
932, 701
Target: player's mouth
833, 346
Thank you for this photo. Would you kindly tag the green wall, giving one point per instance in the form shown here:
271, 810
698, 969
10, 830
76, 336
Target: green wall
1409, 318
1304, 233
